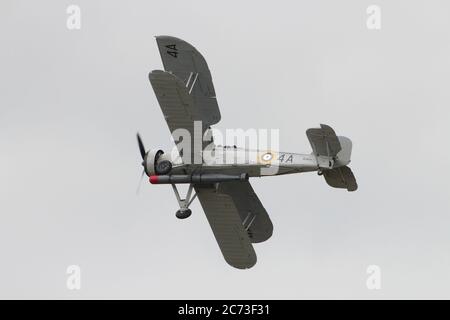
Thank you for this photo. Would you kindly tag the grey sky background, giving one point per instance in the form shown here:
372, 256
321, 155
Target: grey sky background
72, 101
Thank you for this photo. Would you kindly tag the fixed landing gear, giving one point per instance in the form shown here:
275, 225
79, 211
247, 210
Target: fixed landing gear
184, 211
319, 172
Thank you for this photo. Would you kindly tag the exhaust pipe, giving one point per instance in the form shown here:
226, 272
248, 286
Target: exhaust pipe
197, 178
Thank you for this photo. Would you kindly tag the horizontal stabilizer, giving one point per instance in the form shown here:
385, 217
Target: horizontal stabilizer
341, 177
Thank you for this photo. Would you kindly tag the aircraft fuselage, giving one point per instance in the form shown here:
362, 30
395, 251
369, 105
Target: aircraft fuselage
255, 163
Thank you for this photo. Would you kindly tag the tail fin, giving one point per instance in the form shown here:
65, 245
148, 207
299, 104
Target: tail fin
333, 153
343, 157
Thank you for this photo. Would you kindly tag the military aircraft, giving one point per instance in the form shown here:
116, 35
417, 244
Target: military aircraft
186, 95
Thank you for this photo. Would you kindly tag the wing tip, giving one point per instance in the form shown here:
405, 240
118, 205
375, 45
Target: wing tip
166, 37
165, 75
243, 265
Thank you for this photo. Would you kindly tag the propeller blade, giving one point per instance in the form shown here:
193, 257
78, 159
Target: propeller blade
141, 146
140, 182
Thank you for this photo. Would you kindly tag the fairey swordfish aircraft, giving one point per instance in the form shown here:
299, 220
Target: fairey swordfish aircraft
186, 95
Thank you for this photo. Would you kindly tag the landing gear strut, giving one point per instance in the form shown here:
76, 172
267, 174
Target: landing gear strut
184, 211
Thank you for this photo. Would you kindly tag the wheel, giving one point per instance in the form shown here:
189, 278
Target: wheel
183, 213
320, 172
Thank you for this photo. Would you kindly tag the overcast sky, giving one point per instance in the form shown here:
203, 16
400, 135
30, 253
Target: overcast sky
71, 102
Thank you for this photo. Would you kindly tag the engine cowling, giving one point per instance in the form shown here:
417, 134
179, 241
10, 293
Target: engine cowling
155, 165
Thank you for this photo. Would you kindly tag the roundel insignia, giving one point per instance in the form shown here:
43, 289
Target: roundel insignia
266, 157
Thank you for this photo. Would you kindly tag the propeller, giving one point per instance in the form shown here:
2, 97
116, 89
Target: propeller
141, 146
140, 182
142, 151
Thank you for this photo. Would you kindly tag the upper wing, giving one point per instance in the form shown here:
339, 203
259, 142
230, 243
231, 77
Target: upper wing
225, 221
254, 216
184, 61
180, 112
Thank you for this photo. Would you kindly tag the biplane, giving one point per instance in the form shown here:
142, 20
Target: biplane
185, 93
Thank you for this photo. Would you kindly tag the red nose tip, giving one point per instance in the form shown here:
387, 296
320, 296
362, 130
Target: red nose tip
153, 179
